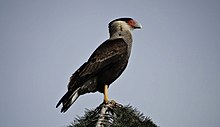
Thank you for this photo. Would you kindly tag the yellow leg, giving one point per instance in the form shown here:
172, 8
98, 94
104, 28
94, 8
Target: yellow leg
106, 94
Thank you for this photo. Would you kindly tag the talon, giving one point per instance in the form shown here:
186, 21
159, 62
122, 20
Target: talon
113, 102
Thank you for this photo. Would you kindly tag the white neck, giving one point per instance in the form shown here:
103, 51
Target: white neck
119, 28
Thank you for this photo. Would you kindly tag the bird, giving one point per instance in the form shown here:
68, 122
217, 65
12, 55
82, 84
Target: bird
105, 64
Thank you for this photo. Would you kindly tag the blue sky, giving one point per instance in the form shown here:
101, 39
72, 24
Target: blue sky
173, 74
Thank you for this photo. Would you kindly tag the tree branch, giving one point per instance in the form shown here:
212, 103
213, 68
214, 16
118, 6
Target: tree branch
113, 115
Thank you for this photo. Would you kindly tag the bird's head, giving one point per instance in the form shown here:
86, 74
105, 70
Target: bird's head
122, 24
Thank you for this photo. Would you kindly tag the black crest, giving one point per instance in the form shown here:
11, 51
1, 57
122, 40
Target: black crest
120, 19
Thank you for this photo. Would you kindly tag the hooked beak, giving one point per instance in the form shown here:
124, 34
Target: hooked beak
137, 25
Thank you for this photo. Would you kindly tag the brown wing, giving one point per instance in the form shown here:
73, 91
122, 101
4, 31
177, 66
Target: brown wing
105, 55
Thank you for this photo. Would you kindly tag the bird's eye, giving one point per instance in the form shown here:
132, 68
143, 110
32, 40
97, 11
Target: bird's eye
131, 23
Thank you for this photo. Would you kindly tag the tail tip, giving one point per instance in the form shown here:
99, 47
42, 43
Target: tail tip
58, 104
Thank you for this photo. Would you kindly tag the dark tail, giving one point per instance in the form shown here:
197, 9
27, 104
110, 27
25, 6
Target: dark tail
68, 99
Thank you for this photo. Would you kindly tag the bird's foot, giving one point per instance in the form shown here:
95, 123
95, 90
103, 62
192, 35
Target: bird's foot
112, 103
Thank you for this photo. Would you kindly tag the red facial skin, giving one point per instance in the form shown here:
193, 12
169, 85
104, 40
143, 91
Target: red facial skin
132, 23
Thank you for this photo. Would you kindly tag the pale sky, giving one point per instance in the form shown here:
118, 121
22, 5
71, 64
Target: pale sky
173, 74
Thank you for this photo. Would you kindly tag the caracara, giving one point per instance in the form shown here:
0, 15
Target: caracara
105, 64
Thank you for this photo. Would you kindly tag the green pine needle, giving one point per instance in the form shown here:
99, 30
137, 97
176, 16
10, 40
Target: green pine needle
124, 116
